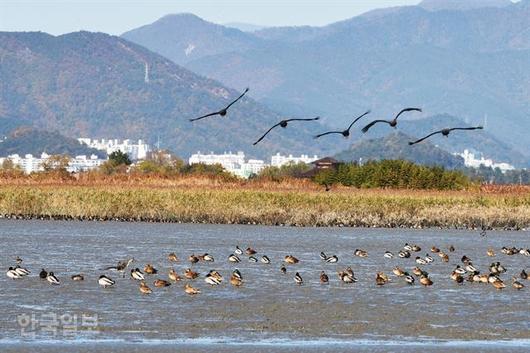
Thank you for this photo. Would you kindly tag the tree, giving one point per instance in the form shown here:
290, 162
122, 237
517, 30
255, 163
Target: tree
117, 158
56, 162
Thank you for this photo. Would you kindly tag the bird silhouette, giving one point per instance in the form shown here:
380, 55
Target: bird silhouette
392, 122
445, 132
346, 132
283, 124
223, 111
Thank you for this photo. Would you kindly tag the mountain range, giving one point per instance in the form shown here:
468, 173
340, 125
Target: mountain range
465, 58
86, 84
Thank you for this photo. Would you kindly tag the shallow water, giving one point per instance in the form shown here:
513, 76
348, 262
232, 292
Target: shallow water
269, 312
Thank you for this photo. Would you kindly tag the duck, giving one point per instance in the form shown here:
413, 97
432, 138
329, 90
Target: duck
290, 259
498, 284
451, 248
347, 276
237, 273
361, 253
443, 256
524, 252
418, 271
459, 270
398, 271
420, 261
298, 279
137, 274
425, 281
78, 277
150, 270
236, 281
188, 289
388, 255
416, 248
252, 259
52, 278
428, 259
21, 271
193, 259
381, 279
404, 254
323, 256
250, 251
516, 284
43, 274
174, 276
435, 250
172, 257
11, 273
18, 260
265, 259
283, 269
465, 259
161, 283
470, 268
190, 274
490, 252
105, 281
214, 278
207, 257
234, 258
407, 247
144, 288
238, 251
332, 259
409, 279
324, 279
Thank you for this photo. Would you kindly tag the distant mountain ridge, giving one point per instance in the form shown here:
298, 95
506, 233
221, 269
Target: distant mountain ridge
462, 5
469, 63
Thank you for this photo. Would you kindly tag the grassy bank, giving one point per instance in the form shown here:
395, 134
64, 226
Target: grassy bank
300, 204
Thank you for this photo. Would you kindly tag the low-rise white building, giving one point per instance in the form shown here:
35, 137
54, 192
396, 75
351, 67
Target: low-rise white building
278, 160
30, 164
471, 161
232, 162
135, 150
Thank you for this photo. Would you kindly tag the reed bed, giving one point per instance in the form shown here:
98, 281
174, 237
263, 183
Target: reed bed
293, 202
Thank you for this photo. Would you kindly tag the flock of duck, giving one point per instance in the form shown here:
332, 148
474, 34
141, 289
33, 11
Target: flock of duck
461, 273
392, 123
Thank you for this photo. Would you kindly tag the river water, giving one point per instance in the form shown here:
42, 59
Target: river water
269, 312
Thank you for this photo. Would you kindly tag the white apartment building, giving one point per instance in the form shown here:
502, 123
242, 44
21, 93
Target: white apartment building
471, 161
232, 162
135, 150
278, 160
30, 164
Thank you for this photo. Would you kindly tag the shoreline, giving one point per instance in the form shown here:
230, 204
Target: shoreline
226, 204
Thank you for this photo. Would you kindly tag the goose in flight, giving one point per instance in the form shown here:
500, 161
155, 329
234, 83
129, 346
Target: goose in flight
223, 111
392, 122
346, 132
445, 132
283, 124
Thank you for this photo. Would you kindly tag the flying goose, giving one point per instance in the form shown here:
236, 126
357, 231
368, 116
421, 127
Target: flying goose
346, 132
445, 132
283, 124
223, 111
392, 122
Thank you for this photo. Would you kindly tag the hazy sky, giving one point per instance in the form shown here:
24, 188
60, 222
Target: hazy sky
118, 16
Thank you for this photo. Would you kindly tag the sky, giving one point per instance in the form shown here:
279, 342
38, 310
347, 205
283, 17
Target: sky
118, 16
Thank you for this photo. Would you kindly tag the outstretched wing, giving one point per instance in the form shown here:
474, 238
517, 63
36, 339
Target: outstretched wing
426, 137
296, 119
204, 116
238, 98
328, 133
357, 119
407, 110
367, 127
265, 134
467, 128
